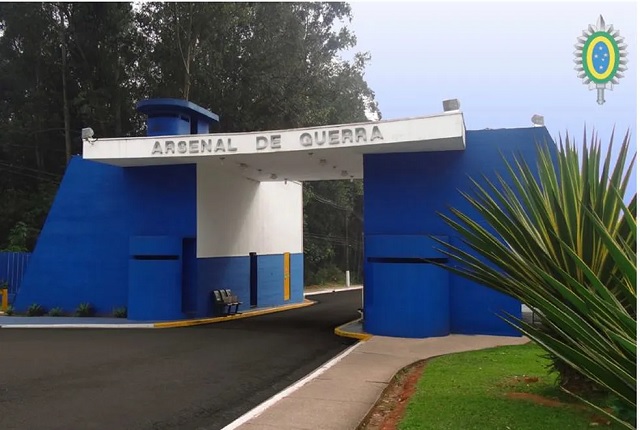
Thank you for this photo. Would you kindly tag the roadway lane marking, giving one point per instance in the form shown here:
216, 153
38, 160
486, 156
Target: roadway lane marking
258, 410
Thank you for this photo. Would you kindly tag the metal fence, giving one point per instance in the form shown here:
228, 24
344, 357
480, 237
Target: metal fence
13, 265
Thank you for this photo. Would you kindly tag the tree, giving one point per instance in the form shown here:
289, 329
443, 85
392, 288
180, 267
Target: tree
561, 239
65, 66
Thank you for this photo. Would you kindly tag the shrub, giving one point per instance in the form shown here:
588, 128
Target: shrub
562, 240
56, 312
327, 275
85, 310
36, 310
120, 312
9, 311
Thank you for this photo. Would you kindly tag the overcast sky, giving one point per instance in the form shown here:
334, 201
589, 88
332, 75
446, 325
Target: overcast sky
504, 61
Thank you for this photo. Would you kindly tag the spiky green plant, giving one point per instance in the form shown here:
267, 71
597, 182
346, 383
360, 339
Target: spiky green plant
120, 312
85, 310
36, 310
56, 312
561, 239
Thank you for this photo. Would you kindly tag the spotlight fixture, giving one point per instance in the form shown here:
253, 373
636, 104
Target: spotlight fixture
451, 105
274, 176
87, 133
537, 120
345, 173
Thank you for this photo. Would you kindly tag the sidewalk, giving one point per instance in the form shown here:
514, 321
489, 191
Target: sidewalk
341, 393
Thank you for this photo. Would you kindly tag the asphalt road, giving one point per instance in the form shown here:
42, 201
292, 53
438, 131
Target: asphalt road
200, 377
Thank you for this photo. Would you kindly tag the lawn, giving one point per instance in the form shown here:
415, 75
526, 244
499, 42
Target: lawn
486, 390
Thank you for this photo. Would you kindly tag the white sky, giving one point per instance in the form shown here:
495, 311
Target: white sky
504, 61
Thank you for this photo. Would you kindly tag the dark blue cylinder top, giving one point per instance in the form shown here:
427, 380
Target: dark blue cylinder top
170, 117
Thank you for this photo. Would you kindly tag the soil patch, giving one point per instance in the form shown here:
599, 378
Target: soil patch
537, 399
389, 410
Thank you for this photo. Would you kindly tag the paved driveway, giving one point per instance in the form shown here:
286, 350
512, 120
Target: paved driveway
188, 378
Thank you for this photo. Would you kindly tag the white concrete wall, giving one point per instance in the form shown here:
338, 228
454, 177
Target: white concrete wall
238, 215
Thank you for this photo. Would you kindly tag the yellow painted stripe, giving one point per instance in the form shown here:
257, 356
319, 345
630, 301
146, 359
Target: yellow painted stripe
338, 331
287, 276
248, 314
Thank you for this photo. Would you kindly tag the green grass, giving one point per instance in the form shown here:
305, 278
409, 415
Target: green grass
469, 391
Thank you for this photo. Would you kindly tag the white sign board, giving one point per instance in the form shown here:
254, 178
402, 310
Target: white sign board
444, 126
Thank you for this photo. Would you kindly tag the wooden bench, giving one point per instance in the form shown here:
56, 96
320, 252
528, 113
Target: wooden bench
226, 303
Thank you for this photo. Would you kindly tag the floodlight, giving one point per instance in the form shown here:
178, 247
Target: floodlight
450, 105
537, 120
87, 133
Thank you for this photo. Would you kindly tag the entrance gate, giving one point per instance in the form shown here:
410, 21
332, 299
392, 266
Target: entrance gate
133, 203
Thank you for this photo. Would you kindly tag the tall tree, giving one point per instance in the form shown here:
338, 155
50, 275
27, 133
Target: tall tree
64, 66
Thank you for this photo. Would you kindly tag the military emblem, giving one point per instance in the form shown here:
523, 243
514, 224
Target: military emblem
600, 57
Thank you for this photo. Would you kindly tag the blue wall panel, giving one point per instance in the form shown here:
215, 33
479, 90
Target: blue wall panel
161, 200
221, 273
297, 278
157, 294
155, 278
82, 254
404, 193
233, 273
474, 306
406, 300
270, 280
403, 246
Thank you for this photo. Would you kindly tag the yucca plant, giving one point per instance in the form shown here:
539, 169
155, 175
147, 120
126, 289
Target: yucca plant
560, 238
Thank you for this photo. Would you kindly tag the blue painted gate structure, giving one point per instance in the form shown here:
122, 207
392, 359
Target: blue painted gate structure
128, 236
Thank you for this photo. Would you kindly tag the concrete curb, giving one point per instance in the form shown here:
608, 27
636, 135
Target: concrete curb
249, 314
340, 331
